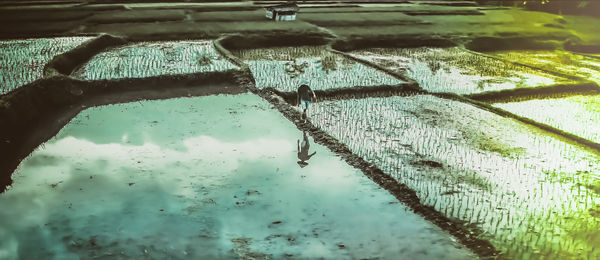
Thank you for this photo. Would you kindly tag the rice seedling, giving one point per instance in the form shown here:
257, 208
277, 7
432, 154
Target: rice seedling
457, 71
23, 61
149, 59
501, 176
284, 68
579, 115
558, 61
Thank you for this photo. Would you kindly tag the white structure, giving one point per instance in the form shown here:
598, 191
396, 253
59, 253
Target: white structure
284, 12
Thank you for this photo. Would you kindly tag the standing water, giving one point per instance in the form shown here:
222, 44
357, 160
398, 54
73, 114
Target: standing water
201, 178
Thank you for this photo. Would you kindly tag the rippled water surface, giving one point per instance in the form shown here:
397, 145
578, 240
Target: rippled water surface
202, 178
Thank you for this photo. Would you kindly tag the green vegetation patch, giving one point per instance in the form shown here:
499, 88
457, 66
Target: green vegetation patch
23, 61
360, 19
43, 15
476, 166
181, 30
251, 15
140, 16
563, 62
149, 59
457, 71
578, 115
285, 68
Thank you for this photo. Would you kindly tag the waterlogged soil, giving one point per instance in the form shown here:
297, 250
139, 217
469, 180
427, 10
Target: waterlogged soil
564, 62
149, 59
578, 115
532, 195
202, 178
285, 68
23, 61
457, 71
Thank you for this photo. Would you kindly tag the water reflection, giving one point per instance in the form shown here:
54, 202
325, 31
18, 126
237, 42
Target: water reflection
221, 180
303, 150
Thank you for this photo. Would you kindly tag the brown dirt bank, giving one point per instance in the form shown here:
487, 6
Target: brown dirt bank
522, 94
34, 113
70, 60
406, 89
276, 39
391, 41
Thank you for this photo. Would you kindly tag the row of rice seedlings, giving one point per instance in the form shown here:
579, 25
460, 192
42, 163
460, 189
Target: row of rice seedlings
282, 53
579, 115
457, 71
501, 193
23, 61
324, 72
559, 61
153, 59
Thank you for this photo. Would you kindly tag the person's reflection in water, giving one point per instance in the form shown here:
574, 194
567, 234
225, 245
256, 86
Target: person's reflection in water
303, 148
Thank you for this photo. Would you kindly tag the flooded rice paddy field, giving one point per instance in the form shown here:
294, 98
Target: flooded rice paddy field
286, 67
23, 61
202, 178
456, 70
219, 177
149, 59
578, 115
584, 66
531, 194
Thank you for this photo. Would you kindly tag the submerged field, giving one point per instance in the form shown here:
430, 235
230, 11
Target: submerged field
23, 61
287, 67
578, 115
532, 195
201, 178
456, 70
219, 176
150, 59
583, 66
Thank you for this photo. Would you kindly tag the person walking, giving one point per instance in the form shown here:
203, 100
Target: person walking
305, 95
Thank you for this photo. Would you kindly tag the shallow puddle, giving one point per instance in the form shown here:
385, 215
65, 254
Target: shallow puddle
532, 195
578, 115
286, 68
149, 59
202, 178
23, 61
457, 71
